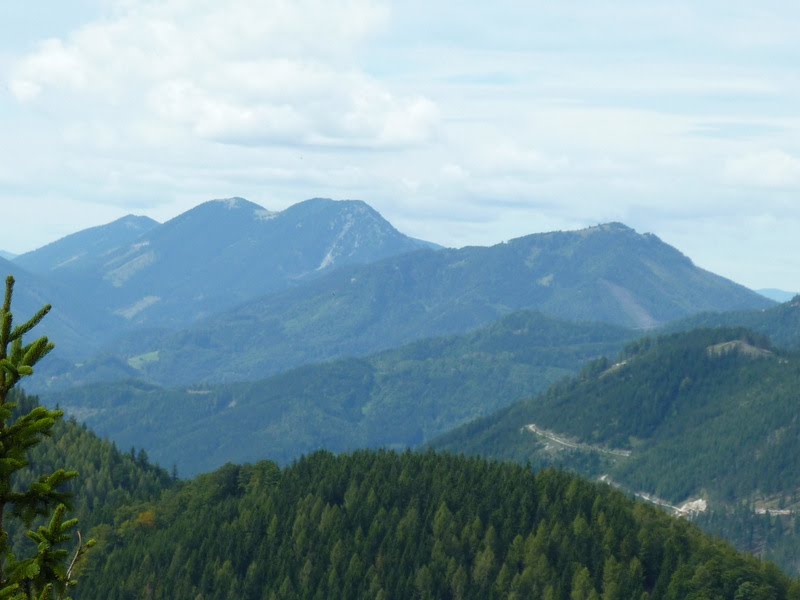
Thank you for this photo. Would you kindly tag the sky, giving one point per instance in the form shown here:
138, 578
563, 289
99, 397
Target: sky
464, 123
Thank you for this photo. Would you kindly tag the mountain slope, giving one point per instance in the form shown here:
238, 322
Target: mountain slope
74, 254
77, 330
224, 252
607, 273
7, 255
780, 323
111, 486
698, 411
381, 525
399, 398
706, 414
109, 480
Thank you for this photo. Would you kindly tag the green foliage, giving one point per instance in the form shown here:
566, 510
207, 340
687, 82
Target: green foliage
44, 574
383, 525
697, 413
707, 413
396, 399
114, 487
774, 537
47, 571
780, 323
112, 483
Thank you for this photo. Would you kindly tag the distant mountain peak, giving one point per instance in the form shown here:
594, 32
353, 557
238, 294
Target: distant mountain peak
81, 249
604, 234
135, 221
217, 254
232, 203
321, 203
236, 203
612, 226
214, 212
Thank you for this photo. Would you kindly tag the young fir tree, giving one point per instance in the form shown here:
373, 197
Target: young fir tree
44, 574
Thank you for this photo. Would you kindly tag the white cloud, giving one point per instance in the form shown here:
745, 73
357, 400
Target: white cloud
53, 65
241, 72
770, 169
453, 172
25, 90
511, 158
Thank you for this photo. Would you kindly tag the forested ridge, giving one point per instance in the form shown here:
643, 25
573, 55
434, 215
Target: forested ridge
386, 525
109, 478
111, 485
380, 525
708, 413
398, 399
780, 323
709, 409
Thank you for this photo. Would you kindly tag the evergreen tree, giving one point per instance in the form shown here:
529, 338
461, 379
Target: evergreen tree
45, 574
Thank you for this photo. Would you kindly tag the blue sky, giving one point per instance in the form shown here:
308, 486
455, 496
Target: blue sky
463, 123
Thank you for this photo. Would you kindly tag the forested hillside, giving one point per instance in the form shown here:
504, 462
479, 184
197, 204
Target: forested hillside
607, 273
111, 487
379, 525
780, 323
399, 398
708, 410
382, 525
79, 329
706, 414
109, 478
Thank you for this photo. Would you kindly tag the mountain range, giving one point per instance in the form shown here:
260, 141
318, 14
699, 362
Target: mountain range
212, 257
234, 333
397, 399
607, 273
88, 249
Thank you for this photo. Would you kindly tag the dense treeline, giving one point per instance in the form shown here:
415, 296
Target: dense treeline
111, 484
709, 413
383, 525
773, 537
396, 399
781, 323
709, 410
